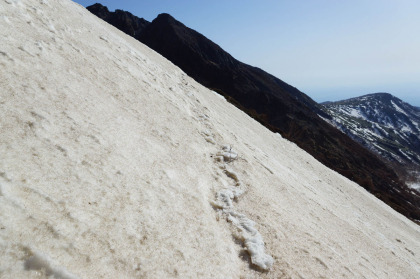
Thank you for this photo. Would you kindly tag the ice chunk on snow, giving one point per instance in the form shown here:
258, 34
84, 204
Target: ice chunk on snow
250, 236
253, 240
232, 174
226, 197
210, 140
228, 153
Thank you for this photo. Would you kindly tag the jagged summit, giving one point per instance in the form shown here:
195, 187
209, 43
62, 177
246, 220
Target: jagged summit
186, 47
125, 21
99, 9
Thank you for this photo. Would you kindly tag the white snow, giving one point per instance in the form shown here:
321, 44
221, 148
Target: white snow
107, 171
397, 108
249, 235
405, 154
415, 186
355, 113
227, 153
220, 96
406, 129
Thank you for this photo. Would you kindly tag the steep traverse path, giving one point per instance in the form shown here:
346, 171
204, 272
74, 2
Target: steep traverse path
225, 197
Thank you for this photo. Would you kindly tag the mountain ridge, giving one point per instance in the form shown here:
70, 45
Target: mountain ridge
212, 54
390, 119
386, 125
123, 20
279, 106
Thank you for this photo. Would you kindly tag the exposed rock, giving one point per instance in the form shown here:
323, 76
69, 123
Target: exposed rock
122, 20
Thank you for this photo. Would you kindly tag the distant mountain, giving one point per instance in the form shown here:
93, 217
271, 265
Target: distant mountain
381, 122
274, 103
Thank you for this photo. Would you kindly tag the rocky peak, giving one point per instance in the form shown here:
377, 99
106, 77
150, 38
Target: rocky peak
99, 10
165, 17
125, 21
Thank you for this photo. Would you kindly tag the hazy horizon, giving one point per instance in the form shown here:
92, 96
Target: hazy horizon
330, 50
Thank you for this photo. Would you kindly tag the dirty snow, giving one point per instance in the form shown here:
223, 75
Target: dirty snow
112, 160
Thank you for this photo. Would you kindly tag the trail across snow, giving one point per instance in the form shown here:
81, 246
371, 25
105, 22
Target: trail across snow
225, 198
115, 164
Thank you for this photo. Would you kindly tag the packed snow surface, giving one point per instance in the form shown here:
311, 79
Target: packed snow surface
115, 164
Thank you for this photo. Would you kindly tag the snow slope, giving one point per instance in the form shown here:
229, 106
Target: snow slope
115, 164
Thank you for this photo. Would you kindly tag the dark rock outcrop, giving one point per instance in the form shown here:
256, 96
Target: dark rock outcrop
122, 20
210, 65
277, 105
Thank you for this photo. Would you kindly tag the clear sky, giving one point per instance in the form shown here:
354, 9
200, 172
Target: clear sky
329, 49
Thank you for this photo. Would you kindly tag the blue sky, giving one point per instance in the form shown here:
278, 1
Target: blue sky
329, 49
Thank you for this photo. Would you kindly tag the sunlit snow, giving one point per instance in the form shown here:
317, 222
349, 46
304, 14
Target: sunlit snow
115, 164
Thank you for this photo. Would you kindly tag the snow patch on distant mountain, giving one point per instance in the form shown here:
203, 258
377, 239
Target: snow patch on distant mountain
415, 186
397, 108
381, 122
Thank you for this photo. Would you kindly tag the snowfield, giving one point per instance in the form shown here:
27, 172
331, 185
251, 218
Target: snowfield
115, 164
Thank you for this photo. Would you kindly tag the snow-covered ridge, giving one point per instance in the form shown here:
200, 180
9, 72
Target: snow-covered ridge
383, 123
109, 169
